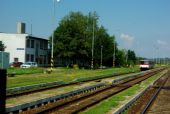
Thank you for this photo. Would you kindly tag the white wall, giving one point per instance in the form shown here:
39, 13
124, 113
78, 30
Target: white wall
15, 45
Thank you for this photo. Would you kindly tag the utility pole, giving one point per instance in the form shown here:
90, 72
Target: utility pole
114, 57
92, 60
101, 61
52, 39
126, 57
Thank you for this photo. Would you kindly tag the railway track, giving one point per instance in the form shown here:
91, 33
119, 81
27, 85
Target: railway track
54, 85
155, 100
79, 102
20, 101
58, 91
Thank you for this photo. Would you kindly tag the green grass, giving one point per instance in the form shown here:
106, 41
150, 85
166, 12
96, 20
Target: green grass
112, 102
59, 74
20, 71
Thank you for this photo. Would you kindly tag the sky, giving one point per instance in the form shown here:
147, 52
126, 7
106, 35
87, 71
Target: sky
139, 25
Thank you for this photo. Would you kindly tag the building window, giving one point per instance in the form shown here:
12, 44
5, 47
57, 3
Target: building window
28, 43
32, 58
15, 59
32, 43
45, 45
41, 59
41, 44
27, 57
45, 59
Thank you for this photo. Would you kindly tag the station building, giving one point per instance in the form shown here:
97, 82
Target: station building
24, 47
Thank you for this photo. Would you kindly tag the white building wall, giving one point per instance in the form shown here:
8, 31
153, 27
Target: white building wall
15, 45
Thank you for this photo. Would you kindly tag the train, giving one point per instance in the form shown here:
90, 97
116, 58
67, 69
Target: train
146, 65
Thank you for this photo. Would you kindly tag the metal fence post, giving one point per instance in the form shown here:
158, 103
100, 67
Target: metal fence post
3, 75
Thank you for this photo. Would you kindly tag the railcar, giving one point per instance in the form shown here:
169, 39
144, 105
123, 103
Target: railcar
146, 65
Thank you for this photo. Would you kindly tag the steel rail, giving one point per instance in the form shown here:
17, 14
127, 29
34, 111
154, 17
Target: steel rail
154, 97
127, 105
125, 87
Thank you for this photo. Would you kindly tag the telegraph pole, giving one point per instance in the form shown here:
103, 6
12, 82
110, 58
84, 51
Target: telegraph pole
52, 39
114, 57
92, 60
101, 61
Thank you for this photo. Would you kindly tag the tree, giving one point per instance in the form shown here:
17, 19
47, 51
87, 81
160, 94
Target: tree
107, 42
71, 38
131, 61
73, 42
2, 47
120, 58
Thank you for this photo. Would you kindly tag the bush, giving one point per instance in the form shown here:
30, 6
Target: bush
75, 66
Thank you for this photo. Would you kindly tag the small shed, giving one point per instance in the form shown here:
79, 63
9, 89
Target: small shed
4, 60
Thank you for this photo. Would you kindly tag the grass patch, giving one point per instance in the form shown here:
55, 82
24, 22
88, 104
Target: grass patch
10, 101
19, 71
112, 102
60, 74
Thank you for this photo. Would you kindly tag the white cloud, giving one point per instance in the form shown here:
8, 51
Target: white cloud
162, 43
163, 46
128, 40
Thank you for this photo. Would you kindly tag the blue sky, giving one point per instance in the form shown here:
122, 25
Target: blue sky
139, 25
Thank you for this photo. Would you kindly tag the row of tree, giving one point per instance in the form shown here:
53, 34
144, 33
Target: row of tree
73, 43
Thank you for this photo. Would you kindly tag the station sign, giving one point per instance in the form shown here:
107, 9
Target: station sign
20, 49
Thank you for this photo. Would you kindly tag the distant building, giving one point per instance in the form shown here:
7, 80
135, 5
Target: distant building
24, 47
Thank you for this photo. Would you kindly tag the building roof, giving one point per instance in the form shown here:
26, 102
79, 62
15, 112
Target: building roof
25, 34
30, 36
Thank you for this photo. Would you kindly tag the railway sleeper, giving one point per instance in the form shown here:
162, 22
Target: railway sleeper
166, 87
162, 87
123, 85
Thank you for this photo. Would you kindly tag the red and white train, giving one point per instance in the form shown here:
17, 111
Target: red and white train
146, 65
